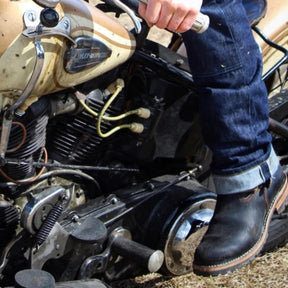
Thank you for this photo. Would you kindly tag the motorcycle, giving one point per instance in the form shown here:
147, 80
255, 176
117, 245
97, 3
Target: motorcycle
97, 183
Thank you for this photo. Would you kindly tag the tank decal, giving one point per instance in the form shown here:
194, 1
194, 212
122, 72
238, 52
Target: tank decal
86, 54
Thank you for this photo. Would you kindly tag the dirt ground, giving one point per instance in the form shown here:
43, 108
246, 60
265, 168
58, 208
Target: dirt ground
268, 270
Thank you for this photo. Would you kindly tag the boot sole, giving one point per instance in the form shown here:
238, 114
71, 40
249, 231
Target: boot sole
279, 205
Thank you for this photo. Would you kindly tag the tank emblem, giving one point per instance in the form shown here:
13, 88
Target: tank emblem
87, 53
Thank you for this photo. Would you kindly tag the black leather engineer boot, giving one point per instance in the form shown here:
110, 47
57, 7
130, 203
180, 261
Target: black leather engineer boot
239, 227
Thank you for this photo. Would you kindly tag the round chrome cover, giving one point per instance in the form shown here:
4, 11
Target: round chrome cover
185, 235
47, 3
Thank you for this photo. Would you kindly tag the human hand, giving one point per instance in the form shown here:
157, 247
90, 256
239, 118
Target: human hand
175, 15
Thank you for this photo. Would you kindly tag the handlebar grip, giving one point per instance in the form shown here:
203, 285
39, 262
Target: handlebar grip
201, 23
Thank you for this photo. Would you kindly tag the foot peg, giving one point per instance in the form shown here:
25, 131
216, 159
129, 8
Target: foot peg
143, 255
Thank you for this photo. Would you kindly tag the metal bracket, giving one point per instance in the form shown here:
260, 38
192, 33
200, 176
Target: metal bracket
34, 29
33, 212
52, 249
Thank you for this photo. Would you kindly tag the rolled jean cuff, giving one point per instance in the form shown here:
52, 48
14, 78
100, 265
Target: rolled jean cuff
248, 179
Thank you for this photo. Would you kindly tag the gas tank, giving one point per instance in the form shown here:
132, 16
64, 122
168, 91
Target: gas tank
275, 27
42, 57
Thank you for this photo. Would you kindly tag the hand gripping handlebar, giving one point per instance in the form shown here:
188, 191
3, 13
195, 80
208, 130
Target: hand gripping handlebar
200, 25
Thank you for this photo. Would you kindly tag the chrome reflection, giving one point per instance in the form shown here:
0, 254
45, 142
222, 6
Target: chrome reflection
186, 234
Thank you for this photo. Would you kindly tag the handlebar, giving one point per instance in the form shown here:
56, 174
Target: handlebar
200, 25
131, 6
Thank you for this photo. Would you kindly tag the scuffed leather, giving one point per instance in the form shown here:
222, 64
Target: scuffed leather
238, 224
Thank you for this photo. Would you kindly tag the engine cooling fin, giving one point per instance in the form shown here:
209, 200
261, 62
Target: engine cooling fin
34, 122
75, 139
9, 219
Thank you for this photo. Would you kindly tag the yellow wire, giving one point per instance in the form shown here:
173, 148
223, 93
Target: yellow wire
108, 118
135, 127
108, 103
112, 131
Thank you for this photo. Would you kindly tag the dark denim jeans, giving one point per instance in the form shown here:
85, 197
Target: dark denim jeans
226, 64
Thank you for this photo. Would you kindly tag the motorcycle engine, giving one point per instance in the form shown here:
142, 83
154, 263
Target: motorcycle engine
59, 129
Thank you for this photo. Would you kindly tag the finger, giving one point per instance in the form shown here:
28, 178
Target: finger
165, 16
153, 11
177, 19
142, 9
187, 22
191, 16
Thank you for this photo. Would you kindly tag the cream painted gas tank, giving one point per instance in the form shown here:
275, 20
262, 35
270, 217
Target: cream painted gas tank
84, 44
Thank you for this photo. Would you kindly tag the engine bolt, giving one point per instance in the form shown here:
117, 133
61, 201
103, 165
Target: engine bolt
113, 200
66, 24
75, 218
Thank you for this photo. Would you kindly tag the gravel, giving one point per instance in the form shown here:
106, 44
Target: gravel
268, 270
